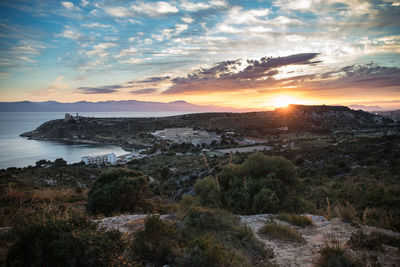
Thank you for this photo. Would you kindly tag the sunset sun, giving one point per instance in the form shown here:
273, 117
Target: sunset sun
282, 101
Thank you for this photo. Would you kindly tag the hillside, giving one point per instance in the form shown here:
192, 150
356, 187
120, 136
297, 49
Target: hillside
121, 131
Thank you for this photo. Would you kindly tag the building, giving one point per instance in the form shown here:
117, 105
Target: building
187, 135
100, 159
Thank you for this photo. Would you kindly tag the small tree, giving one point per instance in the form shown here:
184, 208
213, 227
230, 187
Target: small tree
60, 162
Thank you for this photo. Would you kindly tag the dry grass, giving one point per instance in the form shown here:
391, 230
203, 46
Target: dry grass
295, 219
334, 255
348, 213
282, 232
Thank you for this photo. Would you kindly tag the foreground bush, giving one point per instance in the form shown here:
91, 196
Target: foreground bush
332, 255
66, 242
282, 232
259, 185
208, 251
119, 190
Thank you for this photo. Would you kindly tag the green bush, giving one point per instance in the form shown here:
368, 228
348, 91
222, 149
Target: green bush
207, 192
265, 201
66, 242
118, 190
157, 243
258, 185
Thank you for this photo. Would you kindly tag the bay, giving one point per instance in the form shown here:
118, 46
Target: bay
16, 151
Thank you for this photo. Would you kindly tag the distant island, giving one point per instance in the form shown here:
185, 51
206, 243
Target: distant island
111, 106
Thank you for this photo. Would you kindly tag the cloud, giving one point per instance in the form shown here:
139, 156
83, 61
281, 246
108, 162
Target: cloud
58, 84
4, 75
366, 76
70, 34
154, 9
99, 49
274, 74
119, 12
152, 79
96, 25
187, 20
70, 6
127, 52
197, 6
144, 91
84, 3
237, 75
108, 89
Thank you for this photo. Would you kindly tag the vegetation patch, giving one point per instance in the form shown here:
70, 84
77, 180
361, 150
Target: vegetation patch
282, 232
372, 241
119, 190
332, 255
75, 241
295, 219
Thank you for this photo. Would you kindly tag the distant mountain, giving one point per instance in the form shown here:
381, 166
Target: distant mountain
110, 106
393, 114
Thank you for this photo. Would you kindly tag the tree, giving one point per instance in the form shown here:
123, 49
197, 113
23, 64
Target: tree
60, 162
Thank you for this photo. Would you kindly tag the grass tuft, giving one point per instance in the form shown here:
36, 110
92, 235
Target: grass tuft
282, 232
332, 255
295, 219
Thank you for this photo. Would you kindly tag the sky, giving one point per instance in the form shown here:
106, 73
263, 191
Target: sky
244, 54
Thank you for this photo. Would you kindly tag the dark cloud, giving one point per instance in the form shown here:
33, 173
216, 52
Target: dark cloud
108, 89
144, 91
230, 75
366, 76
259, 75
152, 79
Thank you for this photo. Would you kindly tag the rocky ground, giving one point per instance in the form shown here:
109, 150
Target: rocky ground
316, 236
288, 253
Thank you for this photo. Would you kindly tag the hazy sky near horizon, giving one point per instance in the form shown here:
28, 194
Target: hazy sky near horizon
253, 54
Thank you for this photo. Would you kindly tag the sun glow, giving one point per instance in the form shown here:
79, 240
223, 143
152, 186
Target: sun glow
283, 101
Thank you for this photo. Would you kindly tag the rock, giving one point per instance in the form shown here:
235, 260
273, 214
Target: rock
128, 223
50, 182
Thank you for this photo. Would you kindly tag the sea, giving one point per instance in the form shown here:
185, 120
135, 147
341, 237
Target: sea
16, 151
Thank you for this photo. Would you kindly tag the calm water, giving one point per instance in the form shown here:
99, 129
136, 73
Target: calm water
16, 151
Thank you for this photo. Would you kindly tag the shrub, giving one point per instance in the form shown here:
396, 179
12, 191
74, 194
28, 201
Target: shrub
265, 201
119, 190
257, 185
66, 242
282, 232
157, 242
295, 219
258, 165
207, 192
372, 241
207, 251
347, 213
332, 255
203, 219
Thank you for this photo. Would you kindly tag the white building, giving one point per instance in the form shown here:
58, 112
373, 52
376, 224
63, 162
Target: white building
187, 135
100, 159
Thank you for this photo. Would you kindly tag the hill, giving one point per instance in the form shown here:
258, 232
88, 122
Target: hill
294, 119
